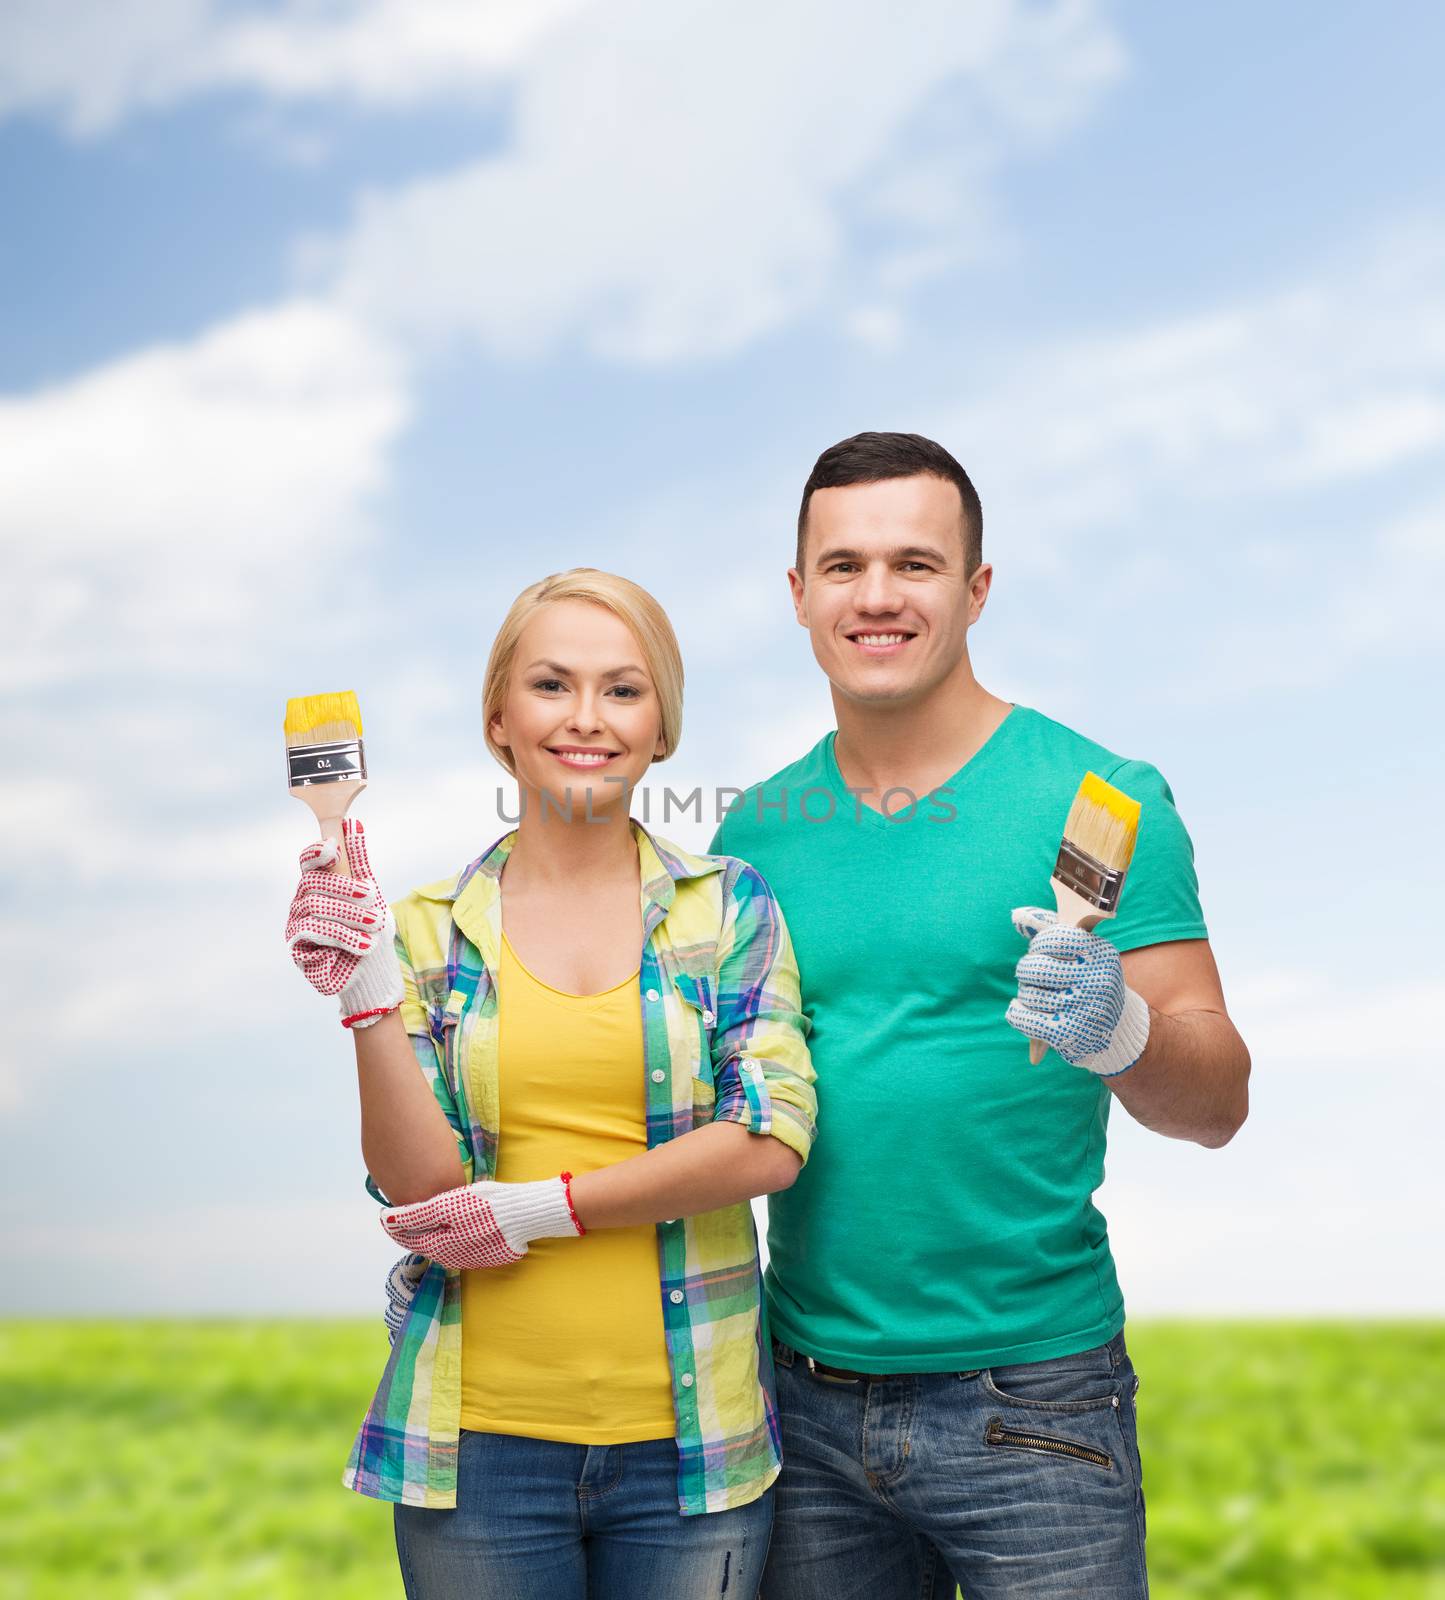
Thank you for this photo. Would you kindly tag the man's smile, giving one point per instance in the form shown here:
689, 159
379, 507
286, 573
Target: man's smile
880, 642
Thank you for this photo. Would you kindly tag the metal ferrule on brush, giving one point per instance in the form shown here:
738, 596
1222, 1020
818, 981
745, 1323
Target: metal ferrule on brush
1089, 878
325, 763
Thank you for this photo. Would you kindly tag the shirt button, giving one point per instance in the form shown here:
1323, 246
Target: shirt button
687, 1380
708, 1018
653, 995
676, 1297
658, 1075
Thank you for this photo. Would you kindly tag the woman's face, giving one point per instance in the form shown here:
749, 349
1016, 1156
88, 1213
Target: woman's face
581, 716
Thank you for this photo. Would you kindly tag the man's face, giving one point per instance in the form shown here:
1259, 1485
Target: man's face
883, 594
581, 715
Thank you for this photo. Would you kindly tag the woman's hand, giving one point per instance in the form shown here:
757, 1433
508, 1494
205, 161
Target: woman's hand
340, 931
485, 1224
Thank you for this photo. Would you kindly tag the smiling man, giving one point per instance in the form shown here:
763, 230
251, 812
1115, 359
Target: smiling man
956, 1397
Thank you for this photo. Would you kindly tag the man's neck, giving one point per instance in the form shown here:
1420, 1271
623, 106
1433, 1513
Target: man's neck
918, 745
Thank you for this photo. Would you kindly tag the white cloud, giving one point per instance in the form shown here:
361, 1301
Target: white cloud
1323, 1204
1299, 1018
169, 521
879, 327
1335, 380
674, 192
1312, 621
298, 1257
676, 182
91, 63
164, 511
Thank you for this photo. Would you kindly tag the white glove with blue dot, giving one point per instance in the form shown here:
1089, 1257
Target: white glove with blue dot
1072, 995
402, 1283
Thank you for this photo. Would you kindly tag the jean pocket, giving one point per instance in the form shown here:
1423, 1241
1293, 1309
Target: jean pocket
1083, 1382
999, 1436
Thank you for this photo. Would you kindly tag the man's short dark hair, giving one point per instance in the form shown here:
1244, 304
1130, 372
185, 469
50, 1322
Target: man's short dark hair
872, 457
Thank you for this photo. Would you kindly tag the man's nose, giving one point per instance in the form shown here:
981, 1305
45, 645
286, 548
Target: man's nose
877, 591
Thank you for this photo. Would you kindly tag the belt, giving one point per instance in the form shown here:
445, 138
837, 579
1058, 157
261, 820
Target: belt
821, 1369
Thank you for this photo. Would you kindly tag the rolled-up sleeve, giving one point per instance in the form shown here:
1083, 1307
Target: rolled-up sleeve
762, 1069
418, 1025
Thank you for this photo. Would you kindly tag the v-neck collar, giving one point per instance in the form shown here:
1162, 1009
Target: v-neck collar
856, 807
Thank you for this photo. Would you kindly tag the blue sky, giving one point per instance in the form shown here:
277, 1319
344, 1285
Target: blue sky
405, 305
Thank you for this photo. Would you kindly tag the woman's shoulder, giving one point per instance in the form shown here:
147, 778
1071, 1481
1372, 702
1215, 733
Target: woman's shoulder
729, 886
424, 914
729, 874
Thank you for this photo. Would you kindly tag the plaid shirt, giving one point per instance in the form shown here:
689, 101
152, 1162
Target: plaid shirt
723, 1041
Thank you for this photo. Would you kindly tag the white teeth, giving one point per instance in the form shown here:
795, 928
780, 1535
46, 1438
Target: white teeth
583, 760
880, 638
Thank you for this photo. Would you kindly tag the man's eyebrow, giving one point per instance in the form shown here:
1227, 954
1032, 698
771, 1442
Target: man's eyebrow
922, 552
570, 672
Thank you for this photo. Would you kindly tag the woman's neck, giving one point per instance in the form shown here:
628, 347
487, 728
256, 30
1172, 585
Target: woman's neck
553, 852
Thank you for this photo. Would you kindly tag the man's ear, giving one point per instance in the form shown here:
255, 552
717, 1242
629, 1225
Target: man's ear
800, 598
979, 586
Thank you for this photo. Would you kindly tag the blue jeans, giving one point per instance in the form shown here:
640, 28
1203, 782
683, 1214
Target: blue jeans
536, 1520
1013, 1481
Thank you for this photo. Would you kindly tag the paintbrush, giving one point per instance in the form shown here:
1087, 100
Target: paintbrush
325, 761
1098, 846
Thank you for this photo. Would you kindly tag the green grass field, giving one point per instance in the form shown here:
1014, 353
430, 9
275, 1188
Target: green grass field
171, 1460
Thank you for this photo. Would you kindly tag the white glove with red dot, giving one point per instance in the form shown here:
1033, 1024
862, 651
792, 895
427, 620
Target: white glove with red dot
341, 932
485, 1224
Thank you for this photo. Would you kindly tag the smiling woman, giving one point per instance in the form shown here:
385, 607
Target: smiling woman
589, 1058
597, 648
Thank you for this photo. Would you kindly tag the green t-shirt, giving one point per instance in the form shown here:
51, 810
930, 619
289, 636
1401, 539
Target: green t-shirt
945, 1218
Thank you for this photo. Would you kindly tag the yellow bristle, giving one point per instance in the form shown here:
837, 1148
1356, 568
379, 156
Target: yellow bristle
322, 719
1103, 823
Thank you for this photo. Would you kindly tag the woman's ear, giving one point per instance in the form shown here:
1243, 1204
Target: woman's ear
497, 732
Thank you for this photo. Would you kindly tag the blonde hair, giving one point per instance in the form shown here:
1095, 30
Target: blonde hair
627, 601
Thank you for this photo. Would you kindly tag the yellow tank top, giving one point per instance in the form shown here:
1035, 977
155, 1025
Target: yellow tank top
568, 1343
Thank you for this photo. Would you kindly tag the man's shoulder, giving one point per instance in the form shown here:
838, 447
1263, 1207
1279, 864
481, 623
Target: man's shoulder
1048, 740
812, 764
754, 809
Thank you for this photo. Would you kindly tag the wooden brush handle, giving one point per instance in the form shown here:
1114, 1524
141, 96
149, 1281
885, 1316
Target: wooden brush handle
1074, 912
331, 802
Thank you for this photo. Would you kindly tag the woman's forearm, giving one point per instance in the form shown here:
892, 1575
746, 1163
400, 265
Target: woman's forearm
704, 1170
406, 1141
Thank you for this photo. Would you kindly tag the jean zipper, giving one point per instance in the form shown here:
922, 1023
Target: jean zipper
997, 1434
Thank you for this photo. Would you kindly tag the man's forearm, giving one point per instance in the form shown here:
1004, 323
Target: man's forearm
1192, 1082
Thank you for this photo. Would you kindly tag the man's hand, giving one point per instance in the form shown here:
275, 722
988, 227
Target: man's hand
1072, 995
485, 1224
402, 1283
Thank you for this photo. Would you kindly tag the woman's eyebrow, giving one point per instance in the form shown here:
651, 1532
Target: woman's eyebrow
570, 672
